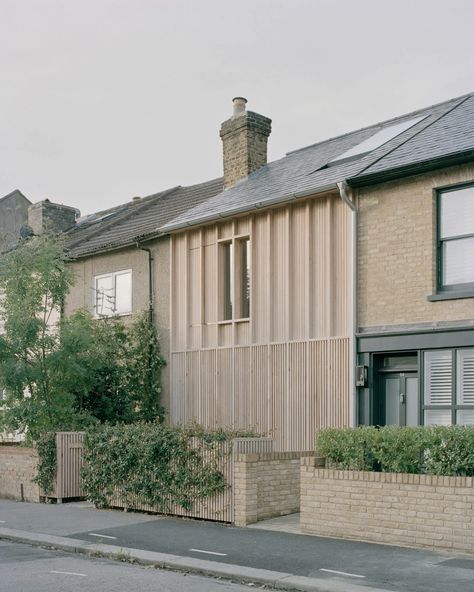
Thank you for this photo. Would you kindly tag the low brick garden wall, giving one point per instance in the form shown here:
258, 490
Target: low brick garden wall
17, 470
395, 508
266, 485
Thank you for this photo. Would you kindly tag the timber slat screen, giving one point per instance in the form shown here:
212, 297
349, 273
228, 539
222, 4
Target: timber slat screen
285, 367
218, 507
69, 449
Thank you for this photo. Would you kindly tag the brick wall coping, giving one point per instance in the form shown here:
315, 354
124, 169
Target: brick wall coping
269, 456
400, 478
22, 450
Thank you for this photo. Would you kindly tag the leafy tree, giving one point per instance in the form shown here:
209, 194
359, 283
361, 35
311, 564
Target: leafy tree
34, 281
67, 373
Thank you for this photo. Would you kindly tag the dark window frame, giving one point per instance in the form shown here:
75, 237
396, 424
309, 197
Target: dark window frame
444, 291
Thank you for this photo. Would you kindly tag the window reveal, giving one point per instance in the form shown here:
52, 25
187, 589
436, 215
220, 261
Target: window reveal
235, 279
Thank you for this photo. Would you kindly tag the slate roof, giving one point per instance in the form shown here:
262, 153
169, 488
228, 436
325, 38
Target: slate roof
123, 225
309, 170
450, 135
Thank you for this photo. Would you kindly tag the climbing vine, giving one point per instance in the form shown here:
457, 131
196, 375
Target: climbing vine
46, 470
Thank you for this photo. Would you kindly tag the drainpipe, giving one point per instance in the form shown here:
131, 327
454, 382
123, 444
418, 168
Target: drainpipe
150, 281
344, 193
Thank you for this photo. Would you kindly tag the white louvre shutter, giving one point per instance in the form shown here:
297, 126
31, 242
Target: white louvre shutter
465, 377
438, 377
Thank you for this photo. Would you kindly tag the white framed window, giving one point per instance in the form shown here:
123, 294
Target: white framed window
113, 293
234, 279
449, 386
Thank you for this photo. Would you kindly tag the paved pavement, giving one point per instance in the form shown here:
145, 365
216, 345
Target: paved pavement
285, 559
24, 568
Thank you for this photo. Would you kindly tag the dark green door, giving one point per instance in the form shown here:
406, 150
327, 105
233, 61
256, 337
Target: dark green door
400, 398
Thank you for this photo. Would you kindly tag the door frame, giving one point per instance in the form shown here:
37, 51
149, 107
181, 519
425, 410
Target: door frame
402, 376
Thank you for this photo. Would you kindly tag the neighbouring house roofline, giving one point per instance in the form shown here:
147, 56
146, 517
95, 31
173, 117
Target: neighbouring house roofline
15, 192
136, 220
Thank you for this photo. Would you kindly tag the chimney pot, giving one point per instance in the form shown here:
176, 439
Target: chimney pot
239, 106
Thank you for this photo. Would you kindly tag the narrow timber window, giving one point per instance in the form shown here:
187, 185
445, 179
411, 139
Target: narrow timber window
456, 239
113, 294
449, 387
235, 279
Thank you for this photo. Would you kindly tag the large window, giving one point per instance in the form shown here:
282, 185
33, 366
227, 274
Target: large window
456, 239
113, 293
234, 279
449, 387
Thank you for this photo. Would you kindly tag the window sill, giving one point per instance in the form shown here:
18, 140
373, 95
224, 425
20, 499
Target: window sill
230, 321
111, 316
454, 295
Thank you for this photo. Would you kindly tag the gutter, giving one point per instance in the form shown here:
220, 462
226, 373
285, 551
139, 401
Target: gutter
344, 194
412, 169
248, 208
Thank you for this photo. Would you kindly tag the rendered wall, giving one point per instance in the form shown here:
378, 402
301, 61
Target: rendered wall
85, 269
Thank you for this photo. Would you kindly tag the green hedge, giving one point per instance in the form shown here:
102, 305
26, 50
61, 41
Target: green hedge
155, 464
431, 450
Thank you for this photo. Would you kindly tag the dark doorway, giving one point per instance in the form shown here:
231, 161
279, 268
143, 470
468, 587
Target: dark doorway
397, 395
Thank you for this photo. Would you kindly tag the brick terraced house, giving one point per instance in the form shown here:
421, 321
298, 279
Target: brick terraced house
415, 268
332, 287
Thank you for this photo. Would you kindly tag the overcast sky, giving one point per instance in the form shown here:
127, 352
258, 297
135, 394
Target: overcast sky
103, 100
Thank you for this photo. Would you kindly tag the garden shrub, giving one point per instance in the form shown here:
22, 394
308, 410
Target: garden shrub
347, 448
431, 450
154, 464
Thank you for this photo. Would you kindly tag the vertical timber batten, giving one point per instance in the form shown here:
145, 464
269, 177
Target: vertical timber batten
286, 370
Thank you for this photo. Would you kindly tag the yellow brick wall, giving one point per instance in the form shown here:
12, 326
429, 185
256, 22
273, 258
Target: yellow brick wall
394, 508
266, 485
397, 251
17, 468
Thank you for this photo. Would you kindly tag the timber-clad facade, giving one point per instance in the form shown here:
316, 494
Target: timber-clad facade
285, 369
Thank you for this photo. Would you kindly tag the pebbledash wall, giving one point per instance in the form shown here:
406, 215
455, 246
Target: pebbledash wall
17, 470
266, 485
394, 508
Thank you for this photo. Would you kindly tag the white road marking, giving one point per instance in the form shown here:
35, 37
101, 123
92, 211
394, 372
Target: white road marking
102, 536
2, 521
342, 573
69, 573
209, 552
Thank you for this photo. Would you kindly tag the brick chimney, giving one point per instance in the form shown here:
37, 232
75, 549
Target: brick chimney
244, 138
46, 215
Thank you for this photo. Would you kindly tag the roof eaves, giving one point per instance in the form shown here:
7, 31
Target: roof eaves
267, 203
412, 169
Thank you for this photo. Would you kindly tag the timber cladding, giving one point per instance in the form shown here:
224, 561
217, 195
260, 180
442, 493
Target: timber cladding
285, 370
395, 508
17, 470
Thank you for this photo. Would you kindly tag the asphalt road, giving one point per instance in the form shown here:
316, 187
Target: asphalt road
381, 566
365, 564
24, 569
